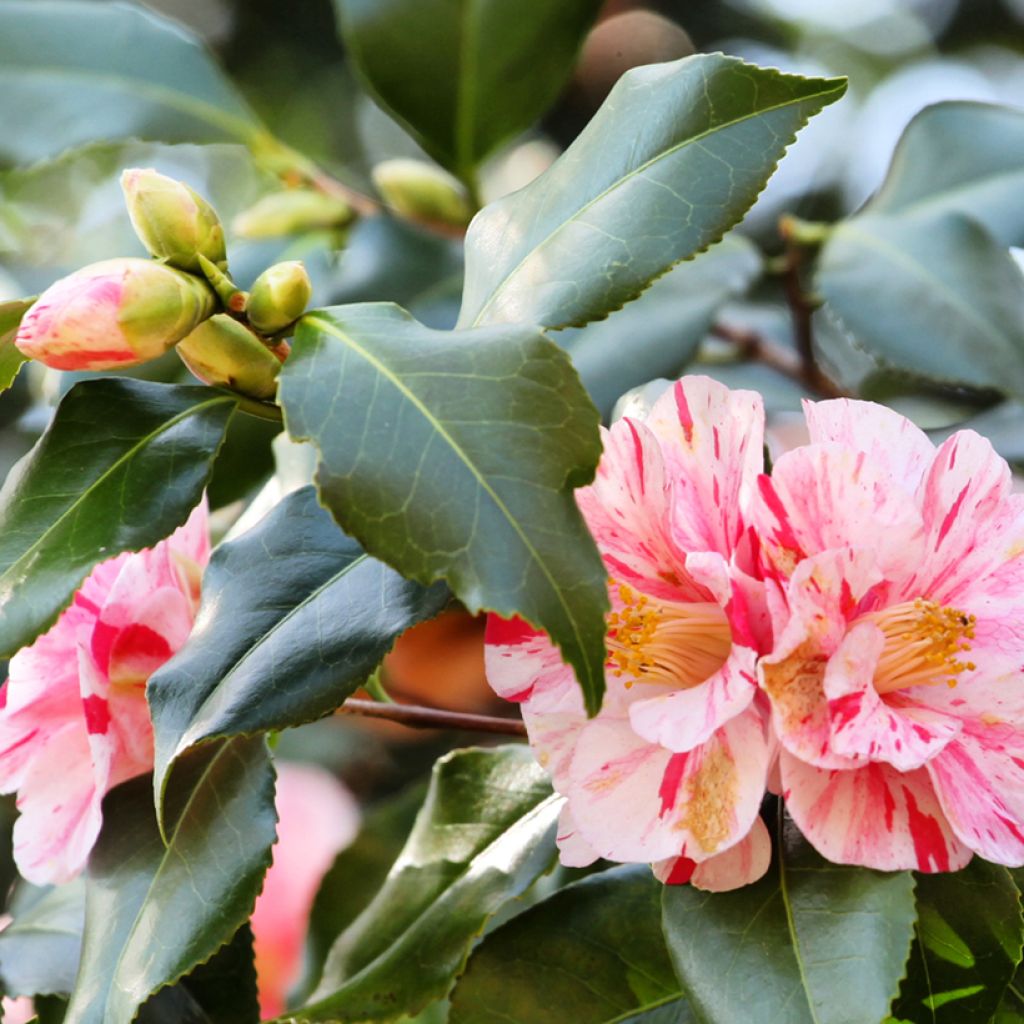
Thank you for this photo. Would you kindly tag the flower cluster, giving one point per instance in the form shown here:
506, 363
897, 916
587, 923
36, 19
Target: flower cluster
840, 632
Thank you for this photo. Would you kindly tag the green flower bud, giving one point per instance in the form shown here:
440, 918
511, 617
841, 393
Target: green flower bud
420, 191
172, 221
225, 353
279, 297
291, 212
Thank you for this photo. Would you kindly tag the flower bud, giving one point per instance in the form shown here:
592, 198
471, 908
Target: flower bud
278, 297
225, 353
172, 221
290, 212
420, 191
113, 314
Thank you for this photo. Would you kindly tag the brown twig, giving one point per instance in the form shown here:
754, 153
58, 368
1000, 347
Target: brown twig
432, 718
757, 347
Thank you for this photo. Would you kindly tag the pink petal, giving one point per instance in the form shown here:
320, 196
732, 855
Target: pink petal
873, 816
864, 726
684, 719
519, 659
712, 439
979, 779
740, 865
634, 801
891, 442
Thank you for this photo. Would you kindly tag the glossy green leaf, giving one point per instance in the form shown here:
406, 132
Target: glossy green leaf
67, 506
453, 455
154, 912
672, 160
356, 875
960, 157
947, 300
665, 326
968, 946
294, 617
72, 73
39, 948
592, 953
483, 836
11, 359
811, 943
464, 76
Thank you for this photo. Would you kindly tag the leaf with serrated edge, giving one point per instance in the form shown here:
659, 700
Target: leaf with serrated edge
11, 358
969, 935
154, 912
492, 68
453, 455
959, 157
811, 943
71, 73
484, 834
947, 300
294, 617
672, 160
593, 953
67, 506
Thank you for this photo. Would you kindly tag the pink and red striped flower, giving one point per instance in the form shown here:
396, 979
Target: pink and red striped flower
673, 768
74, 720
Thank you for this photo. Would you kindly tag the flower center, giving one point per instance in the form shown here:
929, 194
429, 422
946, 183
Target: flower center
655, 641
924, 642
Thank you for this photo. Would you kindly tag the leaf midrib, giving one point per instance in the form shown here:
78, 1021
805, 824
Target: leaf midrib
414, 400
160, 94
663, 155
111, 469
465, 93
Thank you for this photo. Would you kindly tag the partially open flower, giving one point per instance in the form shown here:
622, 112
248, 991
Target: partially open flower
117, 313
73, 715
896, 680
172, 221
674, 766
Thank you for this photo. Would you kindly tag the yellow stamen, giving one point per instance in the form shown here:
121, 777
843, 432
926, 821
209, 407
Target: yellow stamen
924, 642
656, 641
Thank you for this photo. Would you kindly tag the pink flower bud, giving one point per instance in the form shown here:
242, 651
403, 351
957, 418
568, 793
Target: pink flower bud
172, 221
113, 314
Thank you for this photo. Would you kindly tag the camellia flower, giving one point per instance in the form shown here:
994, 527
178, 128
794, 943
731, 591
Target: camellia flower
897, 676
317, 818
74, 720
673, 767
113, 314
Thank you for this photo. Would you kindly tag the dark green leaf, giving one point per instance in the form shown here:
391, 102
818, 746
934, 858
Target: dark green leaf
67, 505
483, 836
39, 948
465, 76
960, 157
154, 912
664, 326
593, 953
71, 73
947, 300
968, 946
10, 358
672, 160
811, 943
453, 455
357, 873
294, 617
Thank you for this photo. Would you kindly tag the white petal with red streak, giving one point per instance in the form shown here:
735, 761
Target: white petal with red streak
573, 850
740, 865
874, 816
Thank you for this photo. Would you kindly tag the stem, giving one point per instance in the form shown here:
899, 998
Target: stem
758, 348
417, 717
801, 308
254, 407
